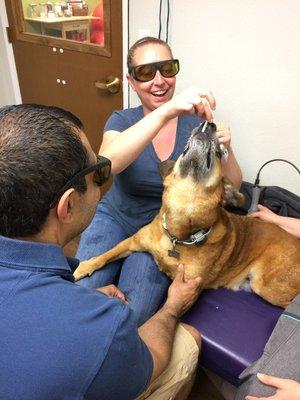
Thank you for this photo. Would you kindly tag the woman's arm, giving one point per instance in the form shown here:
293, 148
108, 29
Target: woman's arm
230, 166
231, 169
122, 148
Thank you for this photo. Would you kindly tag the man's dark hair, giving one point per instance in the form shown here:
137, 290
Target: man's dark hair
40, 150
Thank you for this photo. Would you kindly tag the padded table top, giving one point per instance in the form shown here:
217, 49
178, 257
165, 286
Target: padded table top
235, 327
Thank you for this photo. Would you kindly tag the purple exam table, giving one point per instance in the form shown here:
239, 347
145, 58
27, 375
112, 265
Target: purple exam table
235, 327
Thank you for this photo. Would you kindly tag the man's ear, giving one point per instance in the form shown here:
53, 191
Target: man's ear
231, 196
165, 167
65, 206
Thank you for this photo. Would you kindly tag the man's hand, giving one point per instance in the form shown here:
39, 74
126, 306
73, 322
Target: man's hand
112, 291
287, 389
182, 293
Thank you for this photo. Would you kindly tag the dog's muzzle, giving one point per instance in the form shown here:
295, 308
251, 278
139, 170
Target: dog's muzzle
199, 154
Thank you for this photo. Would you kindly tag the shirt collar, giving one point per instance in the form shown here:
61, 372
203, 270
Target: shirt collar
24, 254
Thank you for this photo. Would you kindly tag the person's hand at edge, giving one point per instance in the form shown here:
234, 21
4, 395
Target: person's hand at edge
265, 214
286, 389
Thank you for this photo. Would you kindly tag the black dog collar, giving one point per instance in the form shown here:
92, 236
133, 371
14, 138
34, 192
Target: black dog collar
195, 239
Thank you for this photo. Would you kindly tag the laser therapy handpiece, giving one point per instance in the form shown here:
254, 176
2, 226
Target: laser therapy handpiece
255, 199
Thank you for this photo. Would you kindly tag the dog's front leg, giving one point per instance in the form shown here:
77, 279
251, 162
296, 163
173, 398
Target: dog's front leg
121, 250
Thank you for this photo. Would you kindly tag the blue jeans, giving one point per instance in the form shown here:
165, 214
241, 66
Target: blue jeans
138, 277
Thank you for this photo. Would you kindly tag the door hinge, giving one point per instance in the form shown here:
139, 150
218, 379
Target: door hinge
10, 34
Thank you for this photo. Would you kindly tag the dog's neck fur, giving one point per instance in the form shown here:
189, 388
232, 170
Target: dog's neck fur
183, 222
181, 225
184, 216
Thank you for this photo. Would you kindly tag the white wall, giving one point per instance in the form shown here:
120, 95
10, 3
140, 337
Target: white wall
9, 87
248, 53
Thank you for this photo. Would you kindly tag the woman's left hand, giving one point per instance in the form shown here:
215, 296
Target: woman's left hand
223, 134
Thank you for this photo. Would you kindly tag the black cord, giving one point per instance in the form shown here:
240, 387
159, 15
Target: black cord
168, 17
275, 159
159, 31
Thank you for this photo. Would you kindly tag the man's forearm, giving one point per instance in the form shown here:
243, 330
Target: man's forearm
158, 334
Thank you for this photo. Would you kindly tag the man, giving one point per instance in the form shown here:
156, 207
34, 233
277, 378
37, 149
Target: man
60, 340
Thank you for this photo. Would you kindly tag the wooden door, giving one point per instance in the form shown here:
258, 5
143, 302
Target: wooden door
64, 73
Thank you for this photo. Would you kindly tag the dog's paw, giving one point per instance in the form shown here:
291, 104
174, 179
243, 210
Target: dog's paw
84, 269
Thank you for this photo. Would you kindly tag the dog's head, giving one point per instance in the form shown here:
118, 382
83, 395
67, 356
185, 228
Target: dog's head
197, 174
199, 156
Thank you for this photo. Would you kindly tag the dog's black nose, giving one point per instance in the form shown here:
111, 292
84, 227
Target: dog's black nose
207, 128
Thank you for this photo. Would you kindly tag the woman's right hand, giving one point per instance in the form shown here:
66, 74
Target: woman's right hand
192, 101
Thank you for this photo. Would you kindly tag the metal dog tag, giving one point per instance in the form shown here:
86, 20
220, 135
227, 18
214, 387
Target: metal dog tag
174, 253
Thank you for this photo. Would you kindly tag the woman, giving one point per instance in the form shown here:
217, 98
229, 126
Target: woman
137, 140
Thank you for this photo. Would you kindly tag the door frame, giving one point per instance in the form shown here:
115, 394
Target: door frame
11, 76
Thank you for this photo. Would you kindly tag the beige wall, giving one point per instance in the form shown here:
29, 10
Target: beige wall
248, 53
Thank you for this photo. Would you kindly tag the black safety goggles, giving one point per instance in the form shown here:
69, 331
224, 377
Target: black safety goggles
146, 72
101, 171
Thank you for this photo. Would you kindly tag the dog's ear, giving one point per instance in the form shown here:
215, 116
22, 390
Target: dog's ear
231, 196
165, 167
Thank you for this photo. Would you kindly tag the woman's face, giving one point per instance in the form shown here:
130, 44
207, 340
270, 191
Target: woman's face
159, 90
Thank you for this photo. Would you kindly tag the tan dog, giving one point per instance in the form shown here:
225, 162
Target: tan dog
192, 227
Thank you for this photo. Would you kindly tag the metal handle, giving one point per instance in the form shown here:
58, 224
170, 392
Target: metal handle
112, 84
